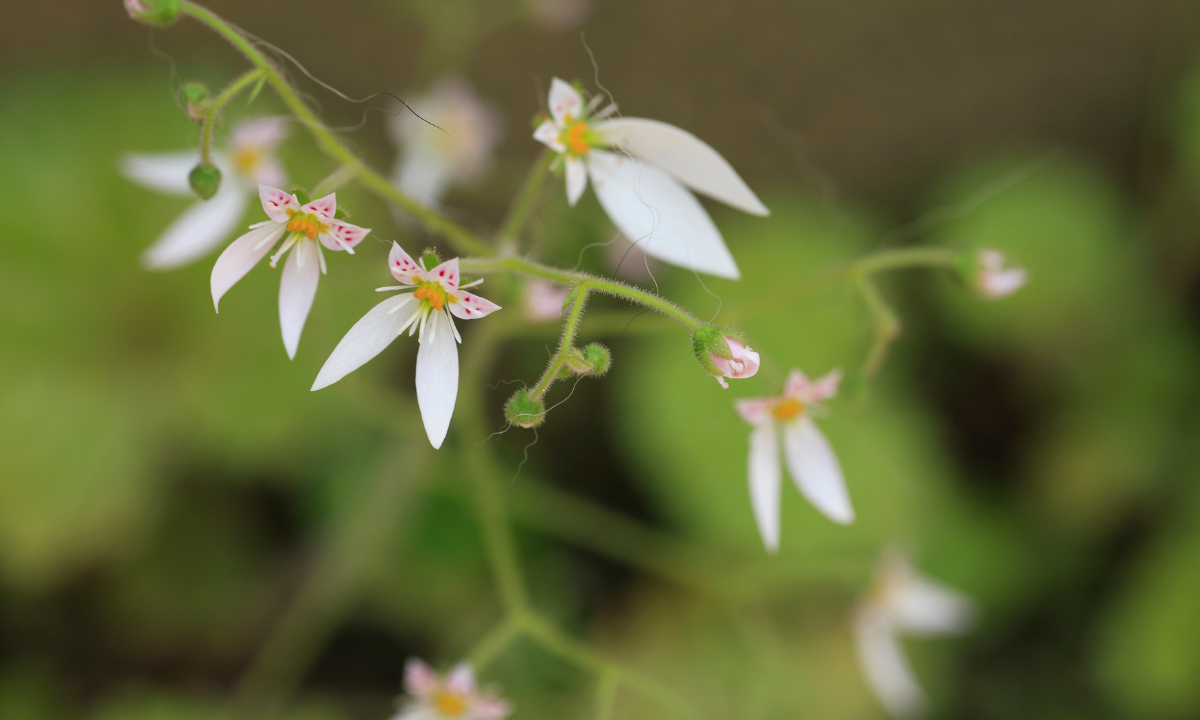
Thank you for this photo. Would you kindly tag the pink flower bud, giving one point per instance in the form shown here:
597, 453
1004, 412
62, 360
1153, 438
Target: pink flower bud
993, 280
134, 8
743, 364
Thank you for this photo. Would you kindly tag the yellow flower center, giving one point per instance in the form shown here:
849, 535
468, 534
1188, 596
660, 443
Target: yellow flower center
577, 138
789, 409
433, 294
305, 224
246, 160
449, 704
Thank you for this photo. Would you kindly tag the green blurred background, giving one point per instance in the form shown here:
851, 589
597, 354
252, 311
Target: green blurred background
171, 495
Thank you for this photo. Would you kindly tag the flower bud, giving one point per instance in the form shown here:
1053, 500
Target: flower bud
723, 353
205, 180
599, 358
195, 98
158, 13
985, 271
524, 410
575, 364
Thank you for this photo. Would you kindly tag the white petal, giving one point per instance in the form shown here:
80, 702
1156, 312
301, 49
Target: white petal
548, 134
369, 336
164, 172
576, 180
297, 288
765, 475
691, 160
461, 679
437, 377
815, 469
422, 175
197, 231
926, 607
885, 666
565, 102
241, 255
658, 214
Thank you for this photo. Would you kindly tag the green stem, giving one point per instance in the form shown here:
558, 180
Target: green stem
526, 199
213, 111
463, 240
565, 344
884, 323
606, 694
484, 266
333, 181
494, 643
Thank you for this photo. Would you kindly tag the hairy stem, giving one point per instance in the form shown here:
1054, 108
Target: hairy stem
213, 111
526, 199
885, 326
565, 345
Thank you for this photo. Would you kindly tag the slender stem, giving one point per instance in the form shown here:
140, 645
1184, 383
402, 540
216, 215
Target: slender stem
906, 258
494, 643
606, 694
334, 180
213, 111
484, 266
526, 198
884, 323
463, 240
565, 344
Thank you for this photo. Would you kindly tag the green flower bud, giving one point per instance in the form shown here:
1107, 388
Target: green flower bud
205, 180
195, 98
430, 259
599, 358
523, 410
158, 13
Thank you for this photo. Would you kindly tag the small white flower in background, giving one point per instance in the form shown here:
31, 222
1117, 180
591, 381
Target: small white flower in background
810, 459
249, 161
304, 229
456, 697
559, 15
903, 601
640, 183
629, 260
429, 299
431, 160
993, 280
543, 300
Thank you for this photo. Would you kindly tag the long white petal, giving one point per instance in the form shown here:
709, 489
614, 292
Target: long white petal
437, 377
885, 666
196, 232
297, 287
691, 160
576, 179
665, 220
164, 172
765, 476
926, 607
241, 255
369, 336
815, 469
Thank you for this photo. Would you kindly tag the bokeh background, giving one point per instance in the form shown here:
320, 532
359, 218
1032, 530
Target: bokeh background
171, 495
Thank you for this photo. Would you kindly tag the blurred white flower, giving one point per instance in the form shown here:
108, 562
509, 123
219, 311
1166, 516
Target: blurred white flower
559, 15
431, 160
810, 459
454, 698
543, 300
993, 280
249, 161
902, 601
639, 169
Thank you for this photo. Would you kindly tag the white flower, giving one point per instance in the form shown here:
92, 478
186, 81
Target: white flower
810, 459
454, 698
430, 159
250, 161
543, 300
304, 229
902, 601
641, 184
430, 298
993, 280
559, 15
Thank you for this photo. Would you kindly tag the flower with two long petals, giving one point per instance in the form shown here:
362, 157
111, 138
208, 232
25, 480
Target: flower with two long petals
810, 459
430, 300
639, 169
249, 161
903, 601
455, 697
304, 229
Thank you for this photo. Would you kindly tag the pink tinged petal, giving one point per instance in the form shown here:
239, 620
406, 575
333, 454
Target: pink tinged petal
324, 208
276, 203
198, 231
659, 214
765, 478
461, 680
548, 134
164, 172
815, 469
745, 361
565, 102
343, 235
262, 134
471, 307
437, 377
241, 255
824, 388
755, 411
447, 274
269, 171
369, 336
685, 156
419, 678
297, 288
543, 300
492, 709
926, 607
403, 267
797, 385
883, 662
576, 179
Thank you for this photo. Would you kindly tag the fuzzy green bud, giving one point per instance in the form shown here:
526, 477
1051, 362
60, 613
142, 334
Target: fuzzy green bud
205, 180
524, 410
430, 259
723, 353
599, 358
158, 13
574, 364
195, 98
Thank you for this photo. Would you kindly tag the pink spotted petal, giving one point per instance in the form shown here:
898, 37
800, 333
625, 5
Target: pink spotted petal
403, 267
276, 203
492, 709
349, 235
565, 102
324, 208
447, 274
755, 411
419, 678
824, 388
471, 307
461, 680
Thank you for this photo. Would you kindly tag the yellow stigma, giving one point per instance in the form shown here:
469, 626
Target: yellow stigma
305, 224
246, 159
789, 409
434, 294
449, 704
575, 137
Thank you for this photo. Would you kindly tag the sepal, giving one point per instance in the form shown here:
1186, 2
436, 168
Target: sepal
524, 410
